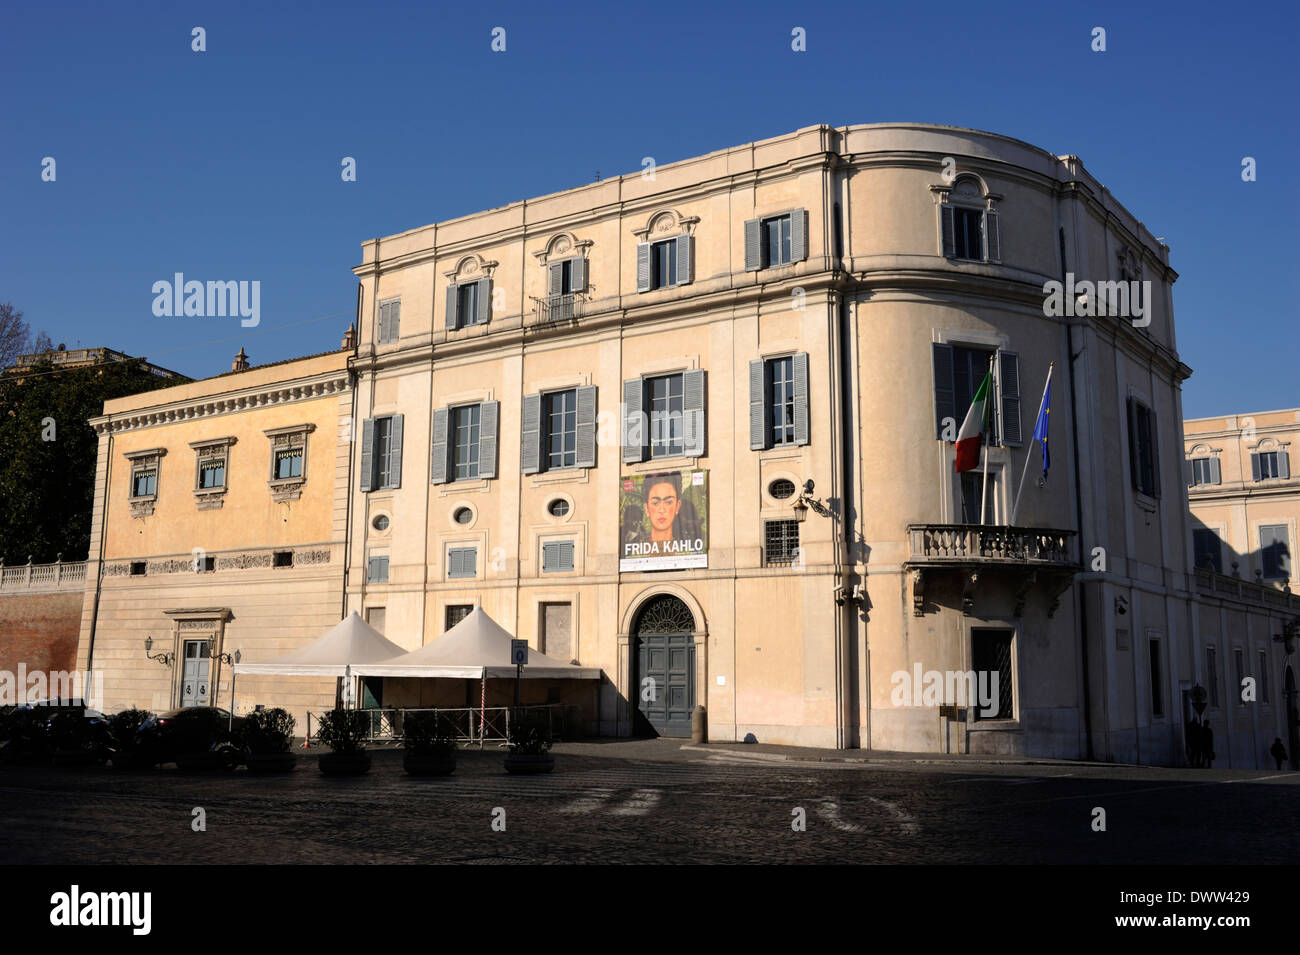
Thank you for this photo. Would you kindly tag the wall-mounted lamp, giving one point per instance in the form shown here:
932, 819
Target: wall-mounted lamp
1121, 605
805, 500
226, 658
164, 658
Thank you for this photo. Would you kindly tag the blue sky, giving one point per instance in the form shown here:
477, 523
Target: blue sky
225, 164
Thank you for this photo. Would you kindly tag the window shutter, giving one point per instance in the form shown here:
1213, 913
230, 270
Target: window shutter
438, 451
456, 562
643, 266
530, 442
948, 230
382, 332
395, 452
684, 243
395, 321
484, 300
556, 278
488, 412
758, 429
1283, 464
586, 427
1189, 472
693, 426
548, 556
368, 454
1009, 398
1215, 476
579, 274
1133, 464
557, 556
945, 392
801, 435
1155, 454
799, 235
452, 323
470, 561
753, 245
634, 435
1254, 467
992, 241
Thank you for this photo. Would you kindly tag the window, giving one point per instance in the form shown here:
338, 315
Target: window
991, 654
212, 475
1206, 545
144, 483
282, 558
288, 464
209, 565
389, 321
663, 416
381, 453
966, 234
557, 556
463, 515
970, 484
210, 460
558, 507
380, 523
377, 617
1275, 551
469, 303
138, 568
455, 613
776, 240
666, 416
958, 372
1204, 471
1262, 663
1265, 465
377, 569
968, 225
1239, 665
1157, 693
462, 561
780, 385
780, 542
781, 488
288, 461
663, 264
1144, 454
465, 424
1212, 675
561, 409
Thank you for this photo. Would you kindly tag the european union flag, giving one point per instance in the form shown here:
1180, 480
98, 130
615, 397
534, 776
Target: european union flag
1040, 429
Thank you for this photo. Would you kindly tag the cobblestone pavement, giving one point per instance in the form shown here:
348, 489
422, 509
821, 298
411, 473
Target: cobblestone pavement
654, 802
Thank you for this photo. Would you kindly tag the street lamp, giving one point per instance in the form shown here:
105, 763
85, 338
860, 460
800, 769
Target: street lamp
164, 658
806, 501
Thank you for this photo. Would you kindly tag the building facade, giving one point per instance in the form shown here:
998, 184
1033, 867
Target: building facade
697, 428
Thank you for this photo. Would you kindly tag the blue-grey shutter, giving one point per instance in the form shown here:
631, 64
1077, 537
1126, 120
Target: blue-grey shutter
381, 334
634, 435
1155, 454
530, 442
578, 277
395, 452
586, 427
1133, 465
395, 320
484, 300
753, 245
488, 412
438, 449
643, 266
1009, 431
555, 278
693, 424
1283, 464
798, 235
1215, 475
1254, 467
948, 230
456, 562
684, 244
801, 431
945, 392
1189, 472
557, 556
368, 454
992, 241
452, 323
758, 430
469, 561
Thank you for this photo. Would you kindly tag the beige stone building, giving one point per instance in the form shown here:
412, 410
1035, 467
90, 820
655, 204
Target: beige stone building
596, 413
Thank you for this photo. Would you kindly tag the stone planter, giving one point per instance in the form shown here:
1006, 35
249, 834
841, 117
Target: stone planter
266, 764
430, 765
345, 764
529, 764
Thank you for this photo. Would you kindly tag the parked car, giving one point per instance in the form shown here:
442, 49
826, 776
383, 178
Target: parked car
194, 737
65, 731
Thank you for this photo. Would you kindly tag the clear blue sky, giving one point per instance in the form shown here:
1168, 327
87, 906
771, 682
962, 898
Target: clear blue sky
225, 164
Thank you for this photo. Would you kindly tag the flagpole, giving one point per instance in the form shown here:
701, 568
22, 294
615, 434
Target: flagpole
1015, 508
988, 415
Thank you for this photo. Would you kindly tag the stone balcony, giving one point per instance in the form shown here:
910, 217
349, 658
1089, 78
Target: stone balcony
1036, 557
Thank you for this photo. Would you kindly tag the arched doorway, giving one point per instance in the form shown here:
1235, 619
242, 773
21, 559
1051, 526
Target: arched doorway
1292, 720
664, 651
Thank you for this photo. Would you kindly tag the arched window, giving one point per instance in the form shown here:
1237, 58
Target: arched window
968, 222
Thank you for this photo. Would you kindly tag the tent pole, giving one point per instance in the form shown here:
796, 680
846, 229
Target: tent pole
482, 707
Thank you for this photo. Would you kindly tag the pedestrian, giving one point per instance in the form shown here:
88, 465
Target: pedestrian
1192, 739
1278, 751
1207, 743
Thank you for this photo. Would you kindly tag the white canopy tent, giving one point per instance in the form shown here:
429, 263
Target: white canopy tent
337, 653
477, 648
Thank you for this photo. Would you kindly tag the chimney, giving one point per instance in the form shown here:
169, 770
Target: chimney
240, 363
350, 337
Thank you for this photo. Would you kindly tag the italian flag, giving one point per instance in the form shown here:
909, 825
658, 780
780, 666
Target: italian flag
971, 435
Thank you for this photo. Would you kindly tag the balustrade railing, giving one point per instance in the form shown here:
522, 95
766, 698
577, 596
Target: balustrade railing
973, 543
34, 578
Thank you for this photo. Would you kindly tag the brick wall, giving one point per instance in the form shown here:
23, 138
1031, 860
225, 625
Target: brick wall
40, 630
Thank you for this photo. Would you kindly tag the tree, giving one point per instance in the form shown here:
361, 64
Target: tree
14, 334
48, 452
42, 344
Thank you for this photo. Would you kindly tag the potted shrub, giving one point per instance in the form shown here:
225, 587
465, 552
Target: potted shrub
268, 737
529, 740
430, 743
127, 750
344, 732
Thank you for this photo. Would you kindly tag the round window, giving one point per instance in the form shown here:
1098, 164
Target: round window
463, 515
781, 489
380, 523
558, 507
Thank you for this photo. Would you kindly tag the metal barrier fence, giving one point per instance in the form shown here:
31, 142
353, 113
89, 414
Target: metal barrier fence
472, 724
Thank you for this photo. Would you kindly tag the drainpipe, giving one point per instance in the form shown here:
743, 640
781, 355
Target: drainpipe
1078, 521
99, 564
353, 376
